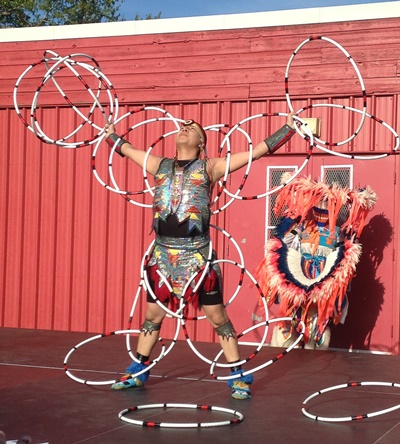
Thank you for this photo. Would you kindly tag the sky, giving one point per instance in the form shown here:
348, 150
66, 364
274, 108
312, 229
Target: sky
190, 8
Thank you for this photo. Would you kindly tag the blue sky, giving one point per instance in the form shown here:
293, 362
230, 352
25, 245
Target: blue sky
182, 8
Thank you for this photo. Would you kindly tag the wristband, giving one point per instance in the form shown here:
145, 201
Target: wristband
279, 138
113, 139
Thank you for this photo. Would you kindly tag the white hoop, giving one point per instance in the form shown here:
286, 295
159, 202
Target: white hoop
93, 338
61, 63
265, 364
274, 190
238, 416
115, 188
261, 343
349, 418
355, 156
357, 71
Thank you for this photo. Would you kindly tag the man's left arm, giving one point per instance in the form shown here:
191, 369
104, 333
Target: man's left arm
267, 147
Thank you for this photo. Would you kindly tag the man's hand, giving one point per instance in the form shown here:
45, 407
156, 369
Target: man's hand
290, 120
109, 129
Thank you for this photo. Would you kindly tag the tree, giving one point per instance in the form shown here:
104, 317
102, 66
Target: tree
148, 17
26, 13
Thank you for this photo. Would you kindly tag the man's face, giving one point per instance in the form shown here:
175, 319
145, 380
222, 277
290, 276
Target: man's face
190, 133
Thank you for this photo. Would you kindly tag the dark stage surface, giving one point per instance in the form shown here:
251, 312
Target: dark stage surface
38, 398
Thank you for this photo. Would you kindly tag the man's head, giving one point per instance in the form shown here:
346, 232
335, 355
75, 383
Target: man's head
191, 125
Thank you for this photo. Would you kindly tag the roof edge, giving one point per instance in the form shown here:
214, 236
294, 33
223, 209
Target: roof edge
326, 14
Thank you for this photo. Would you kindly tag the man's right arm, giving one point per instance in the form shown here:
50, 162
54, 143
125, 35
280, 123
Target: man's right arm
126, 149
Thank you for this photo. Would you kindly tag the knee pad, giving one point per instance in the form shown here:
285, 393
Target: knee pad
149, 327
227, 330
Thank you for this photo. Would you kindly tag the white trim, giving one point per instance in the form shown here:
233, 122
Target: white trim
270, 170
328, 14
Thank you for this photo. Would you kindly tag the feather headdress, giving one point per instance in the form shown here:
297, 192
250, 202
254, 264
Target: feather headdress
296, 199
280, 274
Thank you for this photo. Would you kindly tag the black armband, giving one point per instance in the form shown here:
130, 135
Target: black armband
113, 139
279, 138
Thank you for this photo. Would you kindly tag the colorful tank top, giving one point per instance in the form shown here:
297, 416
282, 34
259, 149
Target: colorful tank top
184, 193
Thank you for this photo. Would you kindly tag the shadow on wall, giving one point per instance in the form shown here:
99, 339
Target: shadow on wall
367, 291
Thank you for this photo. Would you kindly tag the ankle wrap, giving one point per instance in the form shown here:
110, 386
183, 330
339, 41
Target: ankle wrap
235, 368
248, 379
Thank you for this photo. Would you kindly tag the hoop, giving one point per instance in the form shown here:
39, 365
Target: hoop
357, 71
93, 338
179, 313
349, 418
114, 187
68, 62
266, 364
218, 127
141, 287
222, 184
96, 98
279, 187
352, 156
238, 416
239, 264
164, 352
103, 80
261, 343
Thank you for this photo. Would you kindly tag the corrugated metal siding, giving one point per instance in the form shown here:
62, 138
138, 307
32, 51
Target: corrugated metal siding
72, 250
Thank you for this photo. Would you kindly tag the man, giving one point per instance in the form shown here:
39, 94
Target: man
313, 239
181, 218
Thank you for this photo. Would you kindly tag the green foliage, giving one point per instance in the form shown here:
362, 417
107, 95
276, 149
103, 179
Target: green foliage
148, 17
27, 13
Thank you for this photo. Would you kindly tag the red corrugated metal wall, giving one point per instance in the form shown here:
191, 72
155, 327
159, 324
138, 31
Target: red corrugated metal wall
72, 249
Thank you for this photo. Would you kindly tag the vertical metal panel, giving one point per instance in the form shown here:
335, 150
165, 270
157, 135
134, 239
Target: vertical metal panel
4, 204
15, 224
46, 197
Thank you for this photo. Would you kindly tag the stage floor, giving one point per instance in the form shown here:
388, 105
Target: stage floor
38, 398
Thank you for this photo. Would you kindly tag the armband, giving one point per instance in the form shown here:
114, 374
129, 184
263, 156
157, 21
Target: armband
113, 139
149, 327
279, 138
226, 331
